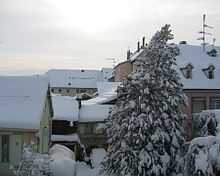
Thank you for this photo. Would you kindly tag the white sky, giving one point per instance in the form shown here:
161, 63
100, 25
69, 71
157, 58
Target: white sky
37, 35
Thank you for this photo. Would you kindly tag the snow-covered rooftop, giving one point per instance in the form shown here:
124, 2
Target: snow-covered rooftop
107, 73
194, 55
106, 92
22, 101
68, 137
65, 108
94, 113
76, 78
199, 60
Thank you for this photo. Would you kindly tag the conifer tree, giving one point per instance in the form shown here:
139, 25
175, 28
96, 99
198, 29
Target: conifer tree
144, 129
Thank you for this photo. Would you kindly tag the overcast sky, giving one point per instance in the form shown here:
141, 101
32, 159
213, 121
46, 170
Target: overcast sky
37, 35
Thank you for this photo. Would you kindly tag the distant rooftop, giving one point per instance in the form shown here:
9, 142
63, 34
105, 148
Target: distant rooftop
78, 78
22, 101
194, 55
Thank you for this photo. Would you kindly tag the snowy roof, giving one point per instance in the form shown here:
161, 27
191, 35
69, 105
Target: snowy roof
106, 92
194, 55
68, 137
22, 101
94, 113
199, 60
107, 73
74, 78
135, 55
65, 108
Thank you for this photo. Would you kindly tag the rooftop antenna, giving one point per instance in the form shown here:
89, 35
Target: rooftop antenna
213, 42
113, 60
203, 32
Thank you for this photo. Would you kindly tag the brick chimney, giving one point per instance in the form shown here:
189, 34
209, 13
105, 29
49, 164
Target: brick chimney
138, 46
128, 54
143, 42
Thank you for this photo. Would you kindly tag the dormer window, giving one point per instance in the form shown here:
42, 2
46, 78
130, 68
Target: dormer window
187, 71
209, 72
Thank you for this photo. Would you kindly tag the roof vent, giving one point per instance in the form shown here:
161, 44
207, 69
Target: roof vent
183, 42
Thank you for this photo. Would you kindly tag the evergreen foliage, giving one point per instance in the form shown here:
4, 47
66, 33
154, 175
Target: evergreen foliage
144, 129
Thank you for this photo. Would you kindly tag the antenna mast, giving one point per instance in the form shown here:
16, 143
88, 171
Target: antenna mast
203, 32
113, 60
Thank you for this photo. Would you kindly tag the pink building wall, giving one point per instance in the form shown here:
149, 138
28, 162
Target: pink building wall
122, 70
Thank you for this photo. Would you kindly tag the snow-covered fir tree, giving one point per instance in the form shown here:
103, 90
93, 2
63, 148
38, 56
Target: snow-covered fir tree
144, 129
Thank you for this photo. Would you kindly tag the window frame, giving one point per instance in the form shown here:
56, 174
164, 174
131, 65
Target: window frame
215, 105
198, 99
187, 71
2, 160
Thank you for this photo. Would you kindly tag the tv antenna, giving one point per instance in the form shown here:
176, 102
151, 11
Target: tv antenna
203, 32
113, 60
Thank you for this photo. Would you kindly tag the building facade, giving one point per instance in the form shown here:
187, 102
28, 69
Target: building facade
199, 72
25, 117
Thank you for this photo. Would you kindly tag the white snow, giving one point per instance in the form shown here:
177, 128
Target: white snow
63, 161
216, 114
94, 113
199, 60
107, 73
65, 108
97, 156
106, 93
68, 137
74, 78
22, 101
205, 151
84, 170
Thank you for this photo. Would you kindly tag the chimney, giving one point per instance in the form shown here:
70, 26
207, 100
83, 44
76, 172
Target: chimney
143, 42
138, 46
128, 54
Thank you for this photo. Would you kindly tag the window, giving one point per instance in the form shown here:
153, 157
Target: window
4, 148
77, 91
209, 72
52, 90
67, 90
83, 90
99, 128
198, 104
188, 74
214, 103
60, 90
187, 71
86, 128
89, 128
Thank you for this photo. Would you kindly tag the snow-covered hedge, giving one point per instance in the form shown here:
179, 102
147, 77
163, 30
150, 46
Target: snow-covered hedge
206, 123
33, 164
62, 161
203, 156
